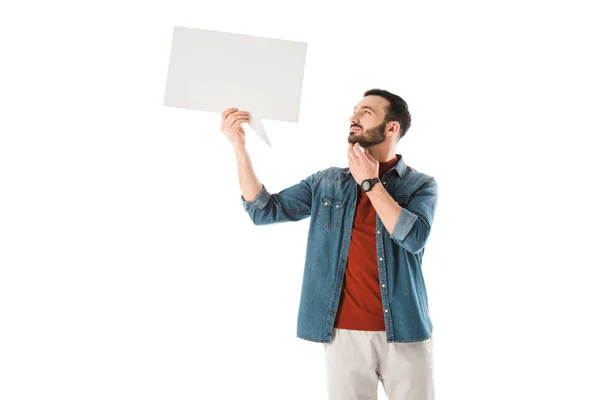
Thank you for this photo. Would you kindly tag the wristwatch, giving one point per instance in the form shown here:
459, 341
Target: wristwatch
368, 184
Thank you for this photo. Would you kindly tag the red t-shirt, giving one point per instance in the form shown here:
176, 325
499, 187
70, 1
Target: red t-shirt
360, 305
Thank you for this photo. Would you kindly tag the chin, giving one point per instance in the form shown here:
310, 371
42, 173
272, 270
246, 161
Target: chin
354, 139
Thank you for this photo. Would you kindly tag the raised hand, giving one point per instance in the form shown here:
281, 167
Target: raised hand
231, 126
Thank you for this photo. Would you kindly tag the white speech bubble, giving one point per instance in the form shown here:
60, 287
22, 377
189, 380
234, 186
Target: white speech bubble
213, 71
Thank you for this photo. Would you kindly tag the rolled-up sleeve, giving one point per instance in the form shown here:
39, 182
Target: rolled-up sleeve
260, 202
291, 204
413, 226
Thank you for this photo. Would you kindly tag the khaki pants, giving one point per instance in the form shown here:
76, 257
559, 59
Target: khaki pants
357, 360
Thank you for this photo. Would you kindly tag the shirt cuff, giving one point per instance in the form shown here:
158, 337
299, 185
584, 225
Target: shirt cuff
405, 222
260, 202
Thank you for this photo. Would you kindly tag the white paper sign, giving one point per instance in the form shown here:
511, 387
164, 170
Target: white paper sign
213, 71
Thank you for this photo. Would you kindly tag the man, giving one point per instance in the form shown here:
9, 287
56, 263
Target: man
363, 295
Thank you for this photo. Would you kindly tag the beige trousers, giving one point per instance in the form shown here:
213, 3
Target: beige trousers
357, 360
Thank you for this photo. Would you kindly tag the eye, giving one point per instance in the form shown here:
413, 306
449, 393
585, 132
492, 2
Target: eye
368, 112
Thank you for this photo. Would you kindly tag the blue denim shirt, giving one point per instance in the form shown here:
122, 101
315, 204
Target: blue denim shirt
329, 198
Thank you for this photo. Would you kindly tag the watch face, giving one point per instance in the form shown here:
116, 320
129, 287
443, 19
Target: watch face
366, 185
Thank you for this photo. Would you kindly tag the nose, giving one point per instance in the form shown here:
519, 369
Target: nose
353, 120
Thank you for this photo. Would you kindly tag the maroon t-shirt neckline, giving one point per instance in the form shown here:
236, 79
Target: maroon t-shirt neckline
387, 165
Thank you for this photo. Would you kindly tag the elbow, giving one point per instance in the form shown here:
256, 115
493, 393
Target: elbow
417, 247
255, 218
412, 246
416, 239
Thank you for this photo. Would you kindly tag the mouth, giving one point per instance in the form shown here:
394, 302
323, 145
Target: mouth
355, 128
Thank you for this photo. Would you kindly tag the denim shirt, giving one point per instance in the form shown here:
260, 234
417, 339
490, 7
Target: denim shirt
329, 197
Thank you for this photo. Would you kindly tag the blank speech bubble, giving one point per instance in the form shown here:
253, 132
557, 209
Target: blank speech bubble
213, 71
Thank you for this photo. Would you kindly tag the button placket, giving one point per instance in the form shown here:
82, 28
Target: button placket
384, 297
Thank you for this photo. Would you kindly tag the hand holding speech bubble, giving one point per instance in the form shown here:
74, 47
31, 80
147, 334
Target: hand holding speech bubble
213, 71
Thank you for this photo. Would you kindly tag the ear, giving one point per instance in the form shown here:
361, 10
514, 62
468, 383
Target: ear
394, 129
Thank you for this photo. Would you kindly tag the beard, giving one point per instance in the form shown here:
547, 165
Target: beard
370, 137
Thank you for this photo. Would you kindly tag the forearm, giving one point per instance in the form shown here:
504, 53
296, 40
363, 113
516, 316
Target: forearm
385, 206
249, 183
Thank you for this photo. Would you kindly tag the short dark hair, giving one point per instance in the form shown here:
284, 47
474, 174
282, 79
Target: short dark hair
396, 111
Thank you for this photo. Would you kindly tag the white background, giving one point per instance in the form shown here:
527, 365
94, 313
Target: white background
129, 270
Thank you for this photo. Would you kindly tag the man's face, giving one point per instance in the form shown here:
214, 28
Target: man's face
367, 124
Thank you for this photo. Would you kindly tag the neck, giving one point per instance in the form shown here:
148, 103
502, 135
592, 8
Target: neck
382, 152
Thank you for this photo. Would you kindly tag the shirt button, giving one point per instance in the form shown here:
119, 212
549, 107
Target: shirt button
384, 183
326, 203
386, 310
378, 232
383, 285
337, 206
331, 312
337, 286
343, 260
380, 259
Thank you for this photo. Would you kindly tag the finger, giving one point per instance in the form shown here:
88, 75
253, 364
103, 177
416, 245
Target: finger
240, 120
232, 117
358, 151
369, 156
351, 152
238, 113
352, 158
226, 113
237, 122
230, 123
236, 126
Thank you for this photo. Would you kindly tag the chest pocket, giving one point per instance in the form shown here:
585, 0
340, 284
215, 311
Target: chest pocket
330, 212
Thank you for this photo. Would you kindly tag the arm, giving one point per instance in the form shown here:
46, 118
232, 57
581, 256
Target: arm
410, 226
291, 204
231, 125
249, 183
385, 206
